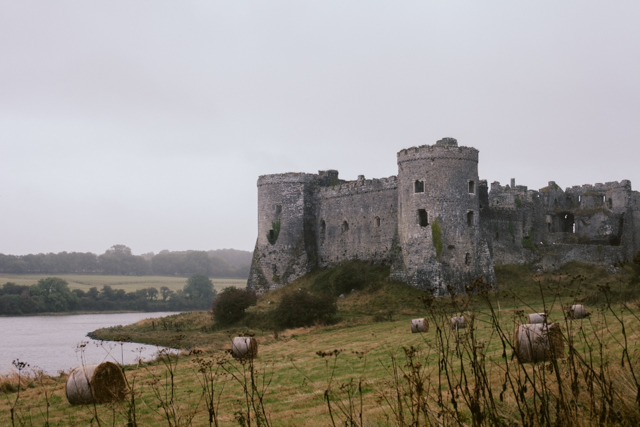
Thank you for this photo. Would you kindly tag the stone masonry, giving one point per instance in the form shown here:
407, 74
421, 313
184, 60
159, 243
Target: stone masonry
436, 224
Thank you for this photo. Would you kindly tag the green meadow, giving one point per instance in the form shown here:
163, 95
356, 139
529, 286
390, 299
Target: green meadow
367, 369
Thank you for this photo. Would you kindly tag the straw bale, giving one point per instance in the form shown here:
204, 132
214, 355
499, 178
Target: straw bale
419, 325
535, 318
538, 342
458, 323
101, 383
244, 347
577, 311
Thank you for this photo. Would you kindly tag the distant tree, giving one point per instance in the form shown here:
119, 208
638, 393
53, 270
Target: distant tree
165, 292
53, 294
199, 288
230, 305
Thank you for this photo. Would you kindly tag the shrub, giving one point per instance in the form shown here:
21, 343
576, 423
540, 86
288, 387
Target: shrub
301, 308
229, 306
348, 276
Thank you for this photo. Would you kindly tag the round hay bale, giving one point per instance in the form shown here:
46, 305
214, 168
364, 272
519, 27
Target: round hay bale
244, 347
538, 342
458, 323
419, 325
535, 318
101, 383
577, 311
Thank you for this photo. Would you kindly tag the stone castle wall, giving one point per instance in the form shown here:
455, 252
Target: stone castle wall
306, 221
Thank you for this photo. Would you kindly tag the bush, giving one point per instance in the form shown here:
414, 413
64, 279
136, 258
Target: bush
348, 276
229, 306
301, 308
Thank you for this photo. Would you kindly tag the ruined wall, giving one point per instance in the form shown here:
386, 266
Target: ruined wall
357, 220
550, 227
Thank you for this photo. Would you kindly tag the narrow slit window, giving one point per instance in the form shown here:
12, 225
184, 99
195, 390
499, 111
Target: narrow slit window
419, 187
376, 221
323, 231
423, 218
472, 187
470, 222
345, 227
467, 258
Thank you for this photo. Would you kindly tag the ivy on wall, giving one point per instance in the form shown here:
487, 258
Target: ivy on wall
436, 234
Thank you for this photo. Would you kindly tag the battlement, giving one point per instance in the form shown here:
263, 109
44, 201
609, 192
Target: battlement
624, 185
288, 178
360, 186
446, 148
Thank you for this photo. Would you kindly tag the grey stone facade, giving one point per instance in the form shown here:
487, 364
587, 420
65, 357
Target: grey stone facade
436, 224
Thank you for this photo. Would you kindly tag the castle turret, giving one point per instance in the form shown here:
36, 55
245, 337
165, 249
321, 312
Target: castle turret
438, 218
286, 230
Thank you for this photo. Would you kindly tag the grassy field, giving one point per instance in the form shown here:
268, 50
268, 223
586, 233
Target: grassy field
128, 283
367, 369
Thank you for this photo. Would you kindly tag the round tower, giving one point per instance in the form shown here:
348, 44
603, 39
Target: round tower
285, 230
438, 218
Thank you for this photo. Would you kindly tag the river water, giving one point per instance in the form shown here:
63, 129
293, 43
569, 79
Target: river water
54, 343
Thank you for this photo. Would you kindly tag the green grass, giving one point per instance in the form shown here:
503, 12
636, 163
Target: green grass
128, 283
299, 377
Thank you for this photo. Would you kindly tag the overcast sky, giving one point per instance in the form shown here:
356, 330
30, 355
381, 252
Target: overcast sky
147, 123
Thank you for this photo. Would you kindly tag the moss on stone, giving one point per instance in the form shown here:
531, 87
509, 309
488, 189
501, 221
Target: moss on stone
436, 234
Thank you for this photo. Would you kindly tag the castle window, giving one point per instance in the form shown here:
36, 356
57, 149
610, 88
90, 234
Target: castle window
376, 221
419, 187
472, 187
470, 222
568, 223
467, 258
579, 199
278, 210
610, 203
423, 218
345, 227
272, 235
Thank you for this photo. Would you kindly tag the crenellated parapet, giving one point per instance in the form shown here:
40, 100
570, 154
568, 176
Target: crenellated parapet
446, 148
361, 186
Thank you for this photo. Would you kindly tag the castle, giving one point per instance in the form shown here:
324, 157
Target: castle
436, 223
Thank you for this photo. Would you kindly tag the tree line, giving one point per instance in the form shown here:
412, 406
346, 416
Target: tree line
118, 260
52, 295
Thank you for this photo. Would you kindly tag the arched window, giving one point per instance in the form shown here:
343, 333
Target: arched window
345, 226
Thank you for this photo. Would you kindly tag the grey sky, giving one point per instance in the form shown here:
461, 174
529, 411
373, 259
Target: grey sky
148, 123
